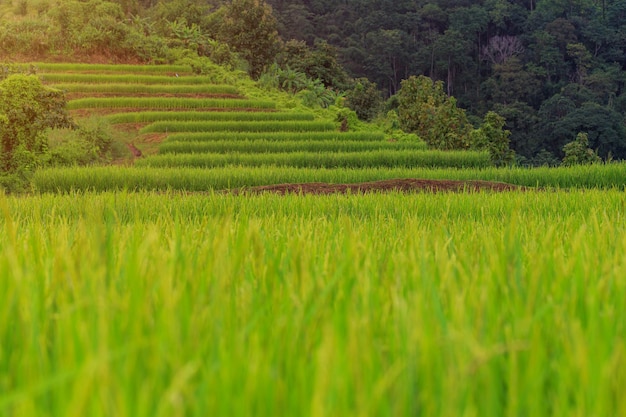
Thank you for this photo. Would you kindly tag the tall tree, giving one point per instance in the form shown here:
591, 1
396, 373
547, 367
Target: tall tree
250, 28
425, 109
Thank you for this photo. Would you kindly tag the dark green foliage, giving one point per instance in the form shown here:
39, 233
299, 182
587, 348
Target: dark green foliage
505, 56
604, 126
317, 63
522, 121
365, 99
249, 27
312, 92
578, 152
492, 137
426, 110
544, 158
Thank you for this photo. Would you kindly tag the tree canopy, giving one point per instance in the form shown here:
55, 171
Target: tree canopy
508, 56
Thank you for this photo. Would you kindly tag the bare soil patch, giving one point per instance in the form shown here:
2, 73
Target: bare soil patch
156, 137
408, 185
131, 127
134, 151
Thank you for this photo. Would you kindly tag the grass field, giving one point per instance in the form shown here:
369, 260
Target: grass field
440, 305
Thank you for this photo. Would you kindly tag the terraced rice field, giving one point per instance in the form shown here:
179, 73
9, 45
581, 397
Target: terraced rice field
183, 121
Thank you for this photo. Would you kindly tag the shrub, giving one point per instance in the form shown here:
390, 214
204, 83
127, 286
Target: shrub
365, 99
578, 152
27, 110
492, 136
425, 109
88, 143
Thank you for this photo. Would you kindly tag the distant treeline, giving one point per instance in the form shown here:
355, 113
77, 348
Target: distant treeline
552, 68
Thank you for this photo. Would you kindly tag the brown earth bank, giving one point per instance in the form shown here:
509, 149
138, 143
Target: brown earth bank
407, 185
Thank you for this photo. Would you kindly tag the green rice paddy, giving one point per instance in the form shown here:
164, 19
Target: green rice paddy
446, 304
151, 291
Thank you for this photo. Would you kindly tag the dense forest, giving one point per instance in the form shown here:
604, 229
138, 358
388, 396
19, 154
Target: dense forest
551, 69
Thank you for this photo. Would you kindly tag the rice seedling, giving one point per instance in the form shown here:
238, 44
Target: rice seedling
198, 179
239, 126
47, 67
382, 158
261, 146
142, 117
65, 78
167, 103
443, 305
275, 136
148, 88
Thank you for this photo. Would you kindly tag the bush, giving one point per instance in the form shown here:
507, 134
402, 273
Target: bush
492, 137
89, 143
347, 119
578, 152
27, 111
425, 109
365, 99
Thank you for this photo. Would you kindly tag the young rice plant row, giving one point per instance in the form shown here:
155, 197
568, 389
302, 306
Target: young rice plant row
247, 146
168, 103
47, 67
276, 136
142, 117
64, 78
196, 179
239, 126
379, 158
148, 88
